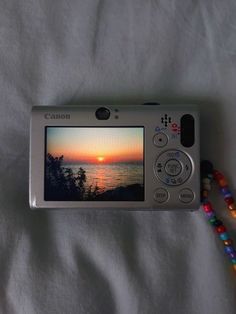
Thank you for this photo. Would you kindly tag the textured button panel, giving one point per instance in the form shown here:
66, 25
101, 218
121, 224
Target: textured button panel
173, 167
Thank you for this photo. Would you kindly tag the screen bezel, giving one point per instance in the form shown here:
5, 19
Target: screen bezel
89, 126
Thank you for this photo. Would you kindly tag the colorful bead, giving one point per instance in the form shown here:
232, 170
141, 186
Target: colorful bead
224, 236
232, 254
204, 200
227, 195
233, 213
205, 193
221, 229
207, 207
206, 181
229, 249
213, 220
217, 223
207, 187
232, 206
225, 190
229, 200
208, 174
210, 214
222, 182
206, 168
228, 242
217, 175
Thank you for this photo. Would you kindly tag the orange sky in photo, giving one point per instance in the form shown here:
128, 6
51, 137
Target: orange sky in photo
96, 145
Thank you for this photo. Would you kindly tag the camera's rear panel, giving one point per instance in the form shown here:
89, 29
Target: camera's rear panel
138, 157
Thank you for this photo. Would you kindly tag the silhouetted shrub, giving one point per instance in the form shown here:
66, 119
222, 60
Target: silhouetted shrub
61, 184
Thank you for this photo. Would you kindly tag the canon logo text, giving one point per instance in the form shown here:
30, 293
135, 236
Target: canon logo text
55, 116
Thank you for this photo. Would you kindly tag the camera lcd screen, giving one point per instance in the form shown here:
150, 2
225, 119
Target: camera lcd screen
94, 164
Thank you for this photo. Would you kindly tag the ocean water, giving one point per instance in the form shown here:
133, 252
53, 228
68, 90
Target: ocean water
110, 176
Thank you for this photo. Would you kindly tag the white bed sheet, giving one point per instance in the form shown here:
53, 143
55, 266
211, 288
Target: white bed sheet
61, 52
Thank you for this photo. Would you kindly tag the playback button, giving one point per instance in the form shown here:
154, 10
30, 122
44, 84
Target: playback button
161, 195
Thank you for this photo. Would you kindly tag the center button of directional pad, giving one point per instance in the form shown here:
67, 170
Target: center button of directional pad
173, 167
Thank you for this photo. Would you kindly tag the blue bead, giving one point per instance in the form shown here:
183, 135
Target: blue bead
227, 195
225, 190
224, 236
229, 249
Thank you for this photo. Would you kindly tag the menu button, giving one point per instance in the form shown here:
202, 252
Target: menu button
186, 196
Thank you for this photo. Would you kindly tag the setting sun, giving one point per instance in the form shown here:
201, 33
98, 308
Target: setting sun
96, 145
100, 158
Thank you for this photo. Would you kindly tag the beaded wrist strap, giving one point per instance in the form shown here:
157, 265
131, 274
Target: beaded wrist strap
207, 175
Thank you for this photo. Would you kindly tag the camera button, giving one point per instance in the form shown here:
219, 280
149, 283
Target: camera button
186, 196
160, 139
173, 167
161, 195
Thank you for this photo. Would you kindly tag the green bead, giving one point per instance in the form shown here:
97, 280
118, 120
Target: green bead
213, 220
233, 260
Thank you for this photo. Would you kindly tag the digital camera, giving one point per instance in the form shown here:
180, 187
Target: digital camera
134, 157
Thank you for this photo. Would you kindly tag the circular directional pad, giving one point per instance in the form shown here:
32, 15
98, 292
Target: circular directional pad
173, 167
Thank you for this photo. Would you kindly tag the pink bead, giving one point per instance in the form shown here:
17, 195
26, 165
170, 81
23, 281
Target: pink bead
207, 207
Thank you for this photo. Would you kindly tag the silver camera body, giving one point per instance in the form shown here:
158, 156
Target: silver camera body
134, 157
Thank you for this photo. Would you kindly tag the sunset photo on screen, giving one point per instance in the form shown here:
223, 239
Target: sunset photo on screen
94, 164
